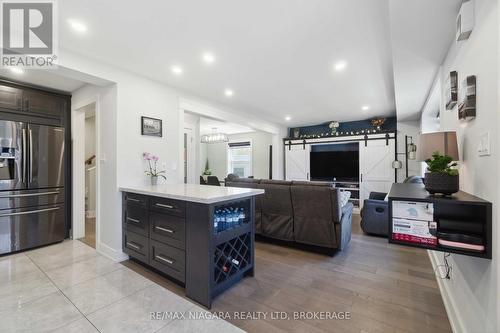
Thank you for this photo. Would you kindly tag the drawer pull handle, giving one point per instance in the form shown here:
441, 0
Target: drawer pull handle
164, 206
165, 229
132, 245
133, 220
168, 261
134, 200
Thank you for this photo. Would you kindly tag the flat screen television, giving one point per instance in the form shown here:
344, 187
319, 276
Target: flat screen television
339, 161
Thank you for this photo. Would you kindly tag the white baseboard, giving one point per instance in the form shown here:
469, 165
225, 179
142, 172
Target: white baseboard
107, 251
449, 302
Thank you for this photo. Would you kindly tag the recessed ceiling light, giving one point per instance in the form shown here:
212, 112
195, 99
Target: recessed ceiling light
177, 70
288, 118
365, 107
340, 65
228, 92
208, 58
16, 70
77, 25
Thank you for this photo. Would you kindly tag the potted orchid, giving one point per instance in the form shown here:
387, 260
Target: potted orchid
153, 167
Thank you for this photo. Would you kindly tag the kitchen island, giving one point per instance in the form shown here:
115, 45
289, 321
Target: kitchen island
200, 236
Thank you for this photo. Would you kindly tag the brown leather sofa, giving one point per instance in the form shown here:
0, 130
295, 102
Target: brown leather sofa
302, 212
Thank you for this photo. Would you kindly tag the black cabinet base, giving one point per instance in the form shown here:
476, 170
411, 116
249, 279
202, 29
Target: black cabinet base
177, 239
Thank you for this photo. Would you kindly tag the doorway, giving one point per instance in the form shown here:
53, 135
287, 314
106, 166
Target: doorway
85, 169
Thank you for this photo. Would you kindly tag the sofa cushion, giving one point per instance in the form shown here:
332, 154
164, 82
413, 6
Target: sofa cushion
275, 182
277, 212
344, 197
246, 180
306, 183
313, 218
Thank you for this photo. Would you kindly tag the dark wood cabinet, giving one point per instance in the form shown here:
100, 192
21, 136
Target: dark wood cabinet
11, 98
178, 239
460, 223
44, 104
168, 229
154, 233
169, 260
136, 246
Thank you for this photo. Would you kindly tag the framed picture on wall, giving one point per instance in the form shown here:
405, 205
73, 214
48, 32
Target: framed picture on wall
451, 90
151, 126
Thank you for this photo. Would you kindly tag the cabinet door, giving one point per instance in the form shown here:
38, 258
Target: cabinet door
44, 104
297, 162
11, 98
375, 167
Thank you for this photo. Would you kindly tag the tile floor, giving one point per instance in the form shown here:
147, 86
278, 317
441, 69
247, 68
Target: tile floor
69, 287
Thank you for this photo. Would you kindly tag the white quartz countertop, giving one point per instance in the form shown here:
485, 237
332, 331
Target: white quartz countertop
194, 193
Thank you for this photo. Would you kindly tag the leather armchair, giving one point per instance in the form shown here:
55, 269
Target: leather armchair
375, 212
375, 215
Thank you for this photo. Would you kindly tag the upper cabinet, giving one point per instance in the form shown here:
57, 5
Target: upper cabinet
44, 104
11, 98
33, 102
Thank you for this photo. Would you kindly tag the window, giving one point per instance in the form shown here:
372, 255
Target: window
239, 158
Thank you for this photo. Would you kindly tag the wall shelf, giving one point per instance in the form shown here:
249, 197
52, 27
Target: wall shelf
461, 214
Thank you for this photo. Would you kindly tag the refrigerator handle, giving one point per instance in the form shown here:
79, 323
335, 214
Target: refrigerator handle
24, 157
30, 135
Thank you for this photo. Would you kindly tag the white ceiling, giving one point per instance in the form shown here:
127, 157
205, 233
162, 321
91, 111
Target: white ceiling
277, 56
422, 32
207, 126
53, 79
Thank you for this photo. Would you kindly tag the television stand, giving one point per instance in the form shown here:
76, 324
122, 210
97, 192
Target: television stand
353, 187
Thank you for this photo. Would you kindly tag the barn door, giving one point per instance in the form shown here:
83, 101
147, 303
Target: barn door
375, 166
297, 162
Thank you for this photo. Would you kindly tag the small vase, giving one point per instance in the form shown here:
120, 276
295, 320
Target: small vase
154, 180
441, 183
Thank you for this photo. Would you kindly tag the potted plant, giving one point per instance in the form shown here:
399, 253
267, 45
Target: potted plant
153, 168
207, 171
441, 177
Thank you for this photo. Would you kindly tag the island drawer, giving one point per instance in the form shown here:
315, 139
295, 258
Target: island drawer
136, 246
135, 218
135, 199
168, 206
169, 260
168, 229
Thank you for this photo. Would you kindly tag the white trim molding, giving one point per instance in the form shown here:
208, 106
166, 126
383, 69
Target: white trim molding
107, 251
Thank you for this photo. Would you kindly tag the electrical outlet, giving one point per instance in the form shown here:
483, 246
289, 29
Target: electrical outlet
484, 144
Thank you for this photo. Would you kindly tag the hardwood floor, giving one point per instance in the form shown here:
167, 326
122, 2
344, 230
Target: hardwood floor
384, 287
89, 238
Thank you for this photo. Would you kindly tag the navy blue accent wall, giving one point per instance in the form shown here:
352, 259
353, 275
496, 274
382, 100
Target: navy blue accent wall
335, 147
345, 128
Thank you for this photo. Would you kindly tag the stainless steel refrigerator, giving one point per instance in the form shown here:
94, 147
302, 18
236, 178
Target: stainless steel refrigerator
31, 185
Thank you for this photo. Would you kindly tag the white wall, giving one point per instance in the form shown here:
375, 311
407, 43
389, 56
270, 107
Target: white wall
217, 154
410, 128
471, 296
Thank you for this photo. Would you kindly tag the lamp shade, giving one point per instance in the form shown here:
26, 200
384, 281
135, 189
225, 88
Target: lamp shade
443, 142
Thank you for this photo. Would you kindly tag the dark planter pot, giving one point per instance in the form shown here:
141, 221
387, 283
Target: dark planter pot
441, 183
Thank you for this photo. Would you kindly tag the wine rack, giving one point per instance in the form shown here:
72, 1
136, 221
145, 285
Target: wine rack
232, 257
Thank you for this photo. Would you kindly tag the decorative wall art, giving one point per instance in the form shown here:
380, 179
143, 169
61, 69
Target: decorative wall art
467, 106
451, 90
151, 126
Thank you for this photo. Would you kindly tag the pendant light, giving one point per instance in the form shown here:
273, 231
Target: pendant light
214, 137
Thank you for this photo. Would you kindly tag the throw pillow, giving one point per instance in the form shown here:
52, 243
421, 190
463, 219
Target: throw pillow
344, 197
